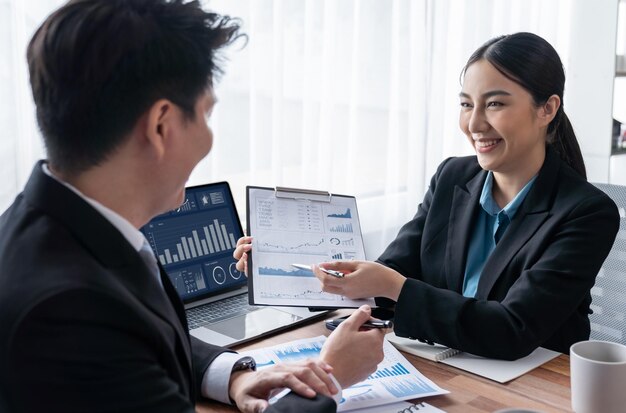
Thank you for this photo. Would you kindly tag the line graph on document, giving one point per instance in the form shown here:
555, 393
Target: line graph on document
289, 244
285, 287
276, 281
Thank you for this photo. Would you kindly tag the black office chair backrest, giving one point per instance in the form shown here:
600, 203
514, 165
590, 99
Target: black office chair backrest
608, 321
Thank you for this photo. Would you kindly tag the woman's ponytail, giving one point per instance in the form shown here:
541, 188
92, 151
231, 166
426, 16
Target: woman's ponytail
562, 138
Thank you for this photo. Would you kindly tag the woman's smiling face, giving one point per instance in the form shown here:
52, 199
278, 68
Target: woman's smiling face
500, 120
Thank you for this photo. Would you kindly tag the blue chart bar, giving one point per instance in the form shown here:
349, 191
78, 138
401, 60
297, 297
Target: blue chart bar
346, 214
404, 388
268, 364
362, 392
338, 256
342, 228
395, 370
312, 350
277, 272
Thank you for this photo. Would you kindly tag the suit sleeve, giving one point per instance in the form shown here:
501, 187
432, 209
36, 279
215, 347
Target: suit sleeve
203, 354
81, 351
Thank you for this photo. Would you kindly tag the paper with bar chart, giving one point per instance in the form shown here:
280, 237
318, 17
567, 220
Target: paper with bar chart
394, 379
286, 231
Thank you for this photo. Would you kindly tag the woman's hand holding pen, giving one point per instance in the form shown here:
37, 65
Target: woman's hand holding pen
363, 279
244, 246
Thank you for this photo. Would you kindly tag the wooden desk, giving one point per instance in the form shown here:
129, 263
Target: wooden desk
546, 388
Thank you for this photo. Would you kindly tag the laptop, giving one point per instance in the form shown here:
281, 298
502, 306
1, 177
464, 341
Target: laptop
195, 245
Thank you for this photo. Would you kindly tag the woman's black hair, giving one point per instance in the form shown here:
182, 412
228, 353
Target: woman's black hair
532, 62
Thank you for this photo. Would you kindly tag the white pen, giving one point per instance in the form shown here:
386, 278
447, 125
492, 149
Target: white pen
334, 273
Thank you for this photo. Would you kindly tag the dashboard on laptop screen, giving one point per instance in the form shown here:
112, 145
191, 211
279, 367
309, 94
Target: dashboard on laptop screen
195, 242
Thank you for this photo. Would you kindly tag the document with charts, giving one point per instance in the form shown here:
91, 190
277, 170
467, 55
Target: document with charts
293, 226
395, 378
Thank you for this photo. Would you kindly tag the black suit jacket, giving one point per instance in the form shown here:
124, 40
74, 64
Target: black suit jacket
534, 288
84, 325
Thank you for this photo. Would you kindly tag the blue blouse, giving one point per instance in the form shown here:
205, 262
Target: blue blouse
489, 228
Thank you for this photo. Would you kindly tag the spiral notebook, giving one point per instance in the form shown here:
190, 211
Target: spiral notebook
434, 352
498, 370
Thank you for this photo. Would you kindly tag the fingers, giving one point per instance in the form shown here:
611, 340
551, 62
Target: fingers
308, 378
298, 386
253, 405
317, 377
329, 283
357, 318
240, 253
379, 337
244, 240
242, 264
243, 245
345, 267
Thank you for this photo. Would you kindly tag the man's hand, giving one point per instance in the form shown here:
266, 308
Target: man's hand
244, 246
250, 390
354, 353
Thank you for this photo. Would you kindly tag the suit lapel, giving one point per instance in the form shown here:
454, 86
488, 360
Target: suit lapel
517, 234
532, 214
464, 206
109, 247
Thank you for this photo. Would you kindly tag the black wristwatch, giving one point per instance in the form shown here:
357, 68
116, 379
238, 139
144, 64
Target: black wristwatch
244, 363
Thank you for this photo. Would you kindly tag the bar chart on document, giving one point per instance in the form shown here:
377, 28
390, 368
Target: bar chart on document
288, 231
394, 379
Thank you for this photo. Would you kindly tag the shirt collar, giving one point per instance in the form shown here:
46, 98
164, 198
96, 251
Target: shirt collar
132, 234
491, 207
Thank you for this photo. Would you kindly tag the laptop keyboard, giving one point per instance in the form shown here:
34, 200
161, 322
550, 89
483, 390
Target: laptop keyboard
219, 310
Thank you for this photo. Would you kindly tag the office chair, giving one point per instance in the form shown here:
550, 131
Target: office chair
608, 321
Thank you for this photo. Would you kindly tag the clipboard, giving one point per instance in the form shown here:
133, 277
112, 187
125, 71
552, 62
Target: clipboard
292, 225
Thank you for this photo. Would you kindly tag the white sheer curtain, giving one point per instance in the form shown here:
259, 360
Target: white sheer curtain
20, 142
356, 96
350, 96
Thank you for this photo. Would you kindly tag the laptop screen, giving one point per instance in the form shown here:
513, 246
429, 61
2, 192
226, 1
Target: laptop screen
195, 242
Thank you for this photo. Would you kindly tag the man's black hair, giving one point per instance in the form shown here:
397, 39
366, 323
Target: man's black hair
97, 65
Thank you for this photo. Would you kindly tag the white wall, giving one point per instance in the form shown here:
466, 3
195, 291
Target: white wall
589, 86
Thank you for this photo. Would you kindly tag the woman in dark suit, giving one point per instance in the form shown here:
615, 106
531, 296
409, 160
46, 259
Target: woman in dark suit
505, 247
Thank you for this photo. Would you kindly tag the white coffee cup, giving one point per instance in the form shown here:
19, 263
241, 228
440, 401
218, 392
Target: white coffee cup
598, 377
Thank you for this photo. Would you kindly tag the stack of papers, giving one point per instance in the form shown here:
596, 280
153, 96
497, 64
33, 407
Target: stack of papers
394, 380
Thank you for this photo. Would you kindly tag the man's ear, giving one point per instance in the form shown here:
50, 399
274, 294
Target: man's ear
159, 125
548, 110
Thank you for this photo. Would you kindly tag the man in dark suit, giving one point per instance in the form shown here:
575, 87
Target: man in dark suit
89, 320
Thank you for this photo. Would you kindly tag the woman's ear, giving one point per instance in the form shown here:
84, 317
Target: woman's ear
158, 125
549, 109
